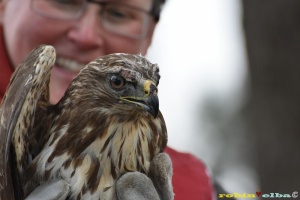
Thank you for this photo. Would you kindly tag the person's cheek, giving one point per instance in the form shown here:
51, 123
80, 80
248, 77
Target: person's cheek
58, 86
120, 44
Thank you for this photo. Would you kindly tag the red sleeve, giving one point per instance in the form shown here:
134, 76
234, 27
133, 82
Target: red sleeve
190, 177
5, 67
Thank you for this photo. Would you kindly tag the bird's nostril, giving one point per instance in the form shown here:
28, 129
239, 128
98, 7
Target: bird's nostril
153, 89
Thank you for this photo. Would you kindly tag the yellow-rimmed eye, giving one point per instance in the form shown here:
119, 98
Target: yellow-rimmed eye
117, 81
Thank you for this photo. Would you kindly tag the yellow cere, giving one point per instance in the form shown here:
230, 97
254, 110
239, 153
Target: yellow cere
147, 87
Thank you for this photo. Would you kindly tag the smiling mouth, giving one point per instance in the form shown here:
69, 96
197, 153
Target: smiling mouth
69, 65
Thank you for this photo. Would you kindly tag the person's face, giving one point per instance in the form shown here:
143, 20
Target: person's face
81, 40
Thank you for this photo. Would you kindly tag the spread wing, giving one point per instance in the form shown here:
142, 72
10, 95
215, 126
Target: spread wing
29, 82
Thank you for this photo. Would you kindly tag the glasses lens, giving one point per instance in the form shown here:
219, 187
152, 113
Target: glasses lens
59, 9
124, 20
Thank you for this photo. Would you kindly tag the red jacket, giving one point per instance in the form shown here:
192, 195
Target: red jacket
190, 180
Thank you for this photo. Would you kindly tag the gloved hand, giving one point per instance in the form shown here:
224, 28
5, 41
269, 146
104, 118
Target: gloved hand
131, 186
56, 190
158, 186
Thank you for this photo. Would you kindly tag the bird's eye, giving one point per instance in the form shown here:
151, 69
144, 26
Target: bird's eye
117, 81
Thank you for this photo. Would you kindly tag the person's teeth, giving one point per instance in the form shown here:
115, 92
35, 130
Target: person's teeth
70, 65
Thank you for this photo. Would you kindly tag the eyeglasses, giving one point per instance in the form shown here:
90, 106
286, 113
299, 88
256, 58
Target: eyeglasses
116, 17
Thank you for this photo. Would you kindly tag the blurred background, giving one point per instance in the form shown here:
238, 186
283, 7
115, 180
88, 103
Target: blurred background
230, 87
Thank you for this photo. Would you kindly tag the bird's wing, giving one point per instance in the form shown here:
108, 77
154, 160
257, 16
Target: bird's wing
17, 111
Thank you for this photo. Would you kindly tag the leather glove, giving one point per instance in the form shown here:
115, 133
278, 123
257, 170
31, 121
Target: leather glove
130, 186
158, 186
56, 190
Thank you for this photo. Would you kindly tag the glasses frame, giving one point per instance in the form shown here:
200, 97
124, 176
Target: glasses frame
151, 13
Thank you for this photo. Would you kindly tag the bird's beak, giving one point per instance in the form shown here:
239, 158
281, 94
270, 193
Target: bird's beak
149, 101
152, 105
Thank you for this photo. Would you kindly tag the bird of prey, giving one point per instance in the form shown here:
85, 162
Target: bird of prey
107, 123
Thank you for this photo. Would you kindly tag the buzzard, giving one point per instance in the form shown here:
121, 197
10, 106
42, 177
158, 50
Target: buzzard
106, 124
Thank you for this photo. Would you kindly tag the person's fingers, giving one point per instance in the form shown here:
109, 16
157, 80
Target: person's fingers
161, 172
54, 190
136, 186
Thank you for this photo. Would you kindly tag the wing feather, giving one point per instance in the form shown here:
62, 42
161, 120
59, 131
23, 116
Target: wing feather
17, 109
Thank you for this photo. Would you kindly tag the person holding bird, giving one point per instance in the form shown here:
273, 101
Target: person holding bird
81, 31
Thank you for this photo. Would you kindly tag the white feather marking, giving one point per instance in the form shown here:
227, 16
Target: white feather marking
29, 79
96, 68
37, 68
80, 173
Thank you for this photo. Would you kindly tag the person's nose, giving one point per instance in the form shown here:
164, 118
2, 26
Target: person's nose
86, 32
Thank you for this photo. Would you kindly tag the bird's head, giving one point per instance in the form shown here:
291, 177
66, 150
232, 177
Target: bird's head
125, 81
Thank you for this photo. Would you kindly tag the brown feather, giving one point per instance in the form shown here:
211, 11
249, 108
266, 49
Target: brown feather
94, 137
17, 116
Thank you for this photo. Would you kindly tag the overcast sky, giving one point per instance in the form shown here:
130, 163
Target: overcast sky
199, 46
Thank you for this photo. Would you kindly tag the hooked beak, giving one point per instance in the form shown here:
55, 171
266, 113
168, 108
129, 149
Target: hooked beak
152, 105
149, 101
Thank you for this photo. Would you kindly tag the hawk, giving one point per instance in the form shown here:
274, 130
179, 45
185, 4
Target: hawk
107, 123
